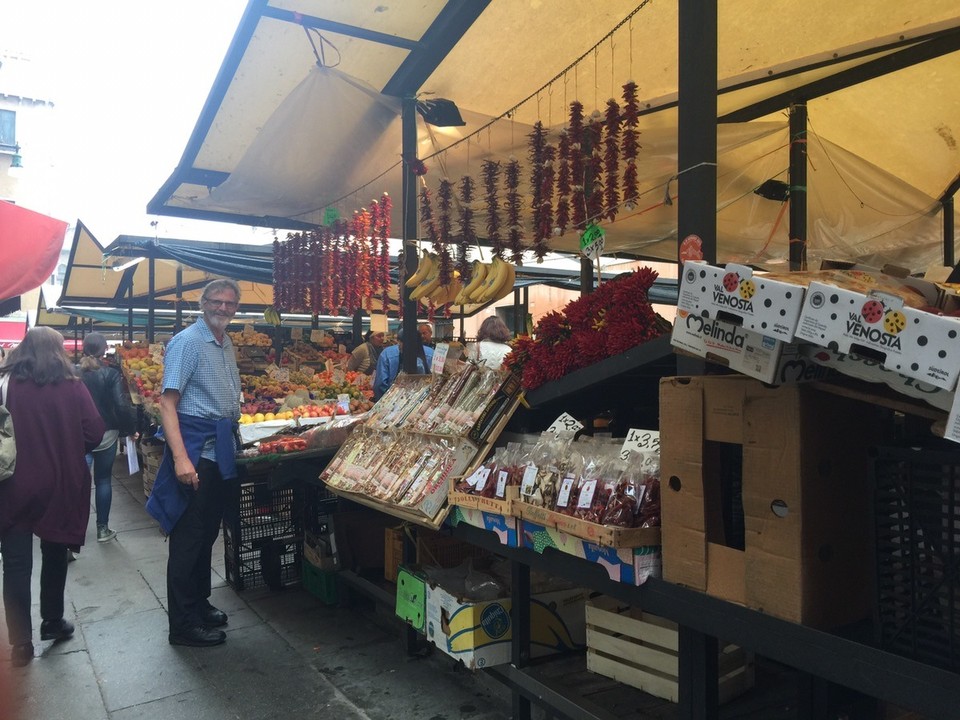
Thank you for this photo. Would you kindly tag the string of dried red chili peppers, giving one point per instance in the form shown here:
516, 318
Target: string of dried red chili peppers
611, 159
578, 209
563, 183
593, 167
383, 232
468, 235
514, 228
545, 228
444, 203
535, 154
491, 186
630, 144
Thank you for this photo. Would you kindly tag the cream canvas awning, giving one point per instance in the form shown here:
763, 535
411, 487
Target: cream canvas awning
281, 140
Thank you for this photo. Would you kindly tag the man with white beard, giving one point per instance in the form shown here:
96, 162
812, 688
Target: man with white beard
199, 410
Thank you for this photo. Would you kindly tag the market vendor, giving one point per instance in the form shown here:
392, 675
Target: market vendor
364, 357
199, 409
391, 360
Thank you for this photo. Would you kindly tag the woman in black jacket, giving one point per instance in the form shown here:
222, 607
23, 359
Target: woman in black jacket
106, 387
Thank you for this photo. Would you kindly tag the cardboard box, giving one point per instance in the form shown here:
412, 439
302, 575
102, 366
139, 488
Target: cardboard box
605, 535
733, 293
506, 528
910, 341
642, 650
759, 356
479, 633
411, 605
801, 458
627, 565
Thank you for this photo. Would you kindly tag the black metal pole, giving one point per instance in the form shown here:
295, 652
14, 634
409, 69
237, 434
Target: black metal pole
516, 311
949, 258
151, 282
357, 327
526, 311
798, 186
586, 276
697, 118
698, 670
130, 308
520, 643
178, 320
411, 337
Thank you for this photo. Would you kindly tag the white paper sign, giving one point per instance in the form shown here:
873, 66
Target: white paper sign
529, 482
133, 462
296, 333
565, 423
439, 358
482, 475
316, 336
641, 440
587, 491
502, 477
566, 487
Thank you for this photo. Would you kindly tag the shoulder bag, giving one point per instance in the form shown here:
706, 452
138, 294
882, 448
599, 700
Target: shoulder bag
8, 443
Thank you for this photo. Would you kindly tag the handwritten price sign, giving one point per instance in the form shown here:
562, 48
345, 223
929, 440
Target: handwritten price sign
566, 423
439, 358
640, 440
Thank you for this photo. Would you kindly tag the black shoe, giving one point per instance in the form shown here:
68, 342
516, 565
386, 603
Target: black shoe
197, 637
21, 655
56, 629
213, 618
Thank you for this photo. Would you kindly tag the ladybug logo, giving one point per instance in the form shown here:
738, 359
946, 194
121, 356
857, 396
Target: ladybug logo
747, 289
731, 281
894, 322
872, 311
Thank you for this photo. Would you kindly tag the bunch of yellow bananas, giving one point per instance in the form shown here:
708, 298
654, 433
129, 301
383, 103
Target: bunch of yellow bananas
490, 282
271, 315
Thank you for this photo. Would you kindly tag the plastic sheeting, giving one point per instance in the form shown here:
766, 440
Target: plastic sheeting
30, 246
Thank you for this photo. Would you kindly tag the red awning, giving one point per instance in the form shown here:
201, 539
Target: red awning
30, 246
12, 332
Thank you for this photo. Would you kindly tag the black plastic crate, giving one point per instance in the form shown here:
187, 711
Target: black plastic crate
263, 536
917, 504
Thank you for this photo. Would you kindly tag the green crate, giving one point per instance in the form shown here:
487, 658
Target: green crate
411, 597
322, 584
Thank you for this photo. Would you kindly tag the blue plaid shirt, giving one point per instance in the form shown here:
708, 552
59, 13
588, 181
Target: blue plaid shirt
205, 374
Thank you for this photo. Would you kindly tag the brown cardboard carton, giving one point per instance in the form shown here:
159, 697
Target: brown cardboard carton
806, 514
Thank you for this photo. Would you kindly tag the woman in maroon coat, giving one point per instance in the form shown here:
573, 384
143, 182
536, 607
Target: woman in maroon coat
56, 423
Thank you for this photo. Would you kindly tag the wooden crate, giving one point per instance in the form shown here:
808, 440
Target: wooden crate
640, 650
151, 456
432, 549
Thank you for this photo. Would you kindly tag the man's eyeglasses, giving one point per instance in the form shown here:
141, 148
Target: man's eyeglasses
225, 304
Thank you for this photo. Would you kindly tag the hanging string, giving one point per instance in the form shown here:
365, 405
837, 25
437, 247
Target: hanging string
613, 65
318, 53
596, 78
630, 46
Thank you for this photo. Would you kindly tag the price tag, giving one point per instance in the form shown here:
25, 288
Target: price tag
641, 440
296, 333
479, 474
316, 336
502, 477
248, 330
439, 358
587, 491
529, 482
482, 481
565, 423
282, 375
271, 370
338, 377
343, 403
330, 216
307, 370
592, 241
156, 352
566, 487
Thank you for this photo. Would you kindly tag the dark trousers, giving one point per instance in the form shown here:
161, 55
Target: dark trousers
17, 550
191, 547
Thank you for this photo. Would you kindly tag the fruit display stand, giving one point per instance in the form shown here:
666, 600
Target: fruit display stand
142, 369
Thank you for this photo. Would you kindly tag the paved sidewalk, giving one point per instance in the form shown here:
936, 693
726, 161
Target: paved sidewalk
287, 655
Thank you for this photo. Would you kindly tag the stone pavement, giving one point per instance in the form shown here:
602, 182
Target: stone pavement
287, 654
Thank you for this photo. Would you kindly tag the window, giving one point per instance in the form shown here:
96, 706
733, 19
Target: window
8, 130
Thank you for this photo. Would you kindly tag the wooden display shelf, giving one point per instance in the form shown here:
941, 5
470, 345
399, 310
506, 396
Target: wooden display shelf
606, 535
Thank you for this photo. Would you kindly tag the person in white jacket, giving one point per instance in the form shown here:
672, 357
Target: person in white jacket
491, 346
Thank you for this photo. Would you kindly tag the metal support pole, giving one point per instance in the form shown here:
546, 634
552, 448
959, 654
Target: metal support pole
520, 620
697, 119
949, 239
357, 328
526, 311
178, 321
151, 288
798, 186
697, 675
411, 337
130, 310
516, 311
586, 276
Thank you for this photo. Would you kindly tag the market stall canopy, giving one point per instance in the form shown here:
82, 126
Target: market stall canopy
12, 332
274, 145
30, 246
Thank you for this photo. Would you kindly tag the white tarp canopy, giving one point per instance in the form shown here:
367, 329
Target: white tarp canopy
281, 140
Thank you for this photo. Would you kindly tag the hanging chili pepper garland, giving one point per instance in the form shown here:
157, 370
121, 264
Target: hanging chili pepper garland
383, 231
545, 229
514, 207
444, 203
630, 144
468, 235
578, 210
593, 167
535, 154
491, 185
315, 277
278, 279
563, 184
611, 159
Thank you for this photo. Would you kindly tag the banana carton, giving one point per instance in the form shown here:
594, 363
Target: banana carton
479, 633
